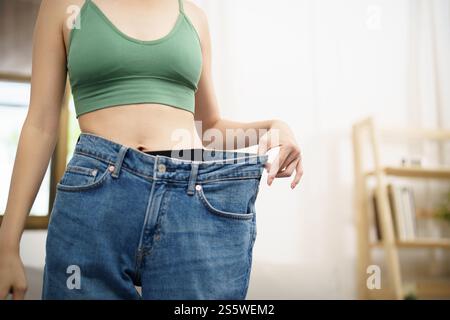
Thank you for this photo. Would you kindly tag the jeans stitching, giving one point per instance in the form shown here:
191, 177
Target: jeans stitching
146, 251
252, 242
150, 178
249, 262
162, 212
247, 159
98, 183
222, 213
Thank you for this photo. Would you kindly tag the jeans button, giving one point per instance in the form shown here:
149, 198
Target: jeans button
161, 168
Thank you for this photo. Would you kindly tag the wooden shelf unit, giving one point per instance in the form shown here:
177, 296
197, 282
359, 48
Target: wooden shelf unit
411, 172
419, 243
389, 243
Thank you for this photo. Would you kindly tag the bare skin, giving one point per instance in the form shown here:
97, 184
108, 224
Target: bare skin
142, 126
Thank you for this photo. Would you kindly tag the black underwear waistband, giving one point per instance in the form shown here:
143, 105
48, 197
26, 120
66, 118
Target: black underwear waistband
196, 154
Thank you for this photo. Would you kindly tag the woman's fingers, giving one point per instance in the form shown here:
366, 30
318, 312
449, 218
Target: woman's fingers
3, 293
288, 171
298, 174
285, 163
12, 276
292, 162
293, 156
275, 165
19, 292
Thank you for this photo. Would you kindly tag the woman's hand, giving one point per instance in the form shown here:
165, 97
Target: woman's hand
288, 159
12, 275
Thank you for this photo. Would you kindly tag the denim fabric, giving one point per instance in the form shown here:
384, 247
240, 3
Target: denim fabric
180, 229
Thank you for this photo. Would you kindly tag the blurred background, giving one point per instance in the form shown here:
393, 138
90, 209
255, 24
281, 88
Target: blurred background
364, 84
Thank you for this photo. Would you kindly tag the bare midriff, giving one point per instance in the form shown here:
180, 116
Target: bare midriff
145, 127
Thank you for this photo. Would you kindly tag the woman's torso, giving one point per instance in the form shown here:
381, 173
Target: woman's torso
144, 126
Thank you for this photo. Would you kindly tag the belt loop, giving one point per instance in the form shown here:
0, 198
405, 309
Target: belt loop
119, 161
192, 178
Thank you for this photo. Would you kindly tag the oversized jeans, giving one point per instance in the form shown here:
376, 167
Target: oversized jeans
179, 229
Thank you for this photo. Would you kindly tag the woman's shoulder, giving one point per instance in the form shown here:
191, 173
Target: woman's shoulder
197, 15
190, 7
63, 11
58, 6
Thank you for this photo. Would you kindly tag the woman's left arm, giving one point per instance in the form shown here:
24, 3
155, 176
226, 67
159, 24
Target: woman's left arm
269, 134
229, 134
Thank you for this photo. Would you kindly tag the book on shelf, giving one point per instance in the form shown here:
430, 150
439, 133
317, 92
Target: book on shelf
403, 210
376, 218
409, 211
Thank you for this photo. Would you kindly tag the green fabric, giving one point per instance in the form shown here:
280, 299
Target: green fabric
108, 68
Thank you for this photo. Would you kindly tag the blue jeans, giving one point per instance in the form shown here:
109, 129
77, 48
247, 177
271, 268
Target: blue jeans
179, 229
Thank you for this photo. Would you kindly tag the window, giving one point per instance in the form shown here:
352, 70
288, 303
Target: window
14, 101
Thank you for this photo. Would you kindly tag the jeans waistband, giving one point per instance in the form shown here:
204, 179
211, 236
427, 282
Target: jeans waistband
217, 165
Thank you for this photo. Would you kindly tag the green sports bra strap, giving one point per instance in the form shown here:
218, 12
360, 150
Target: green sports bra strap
180, 5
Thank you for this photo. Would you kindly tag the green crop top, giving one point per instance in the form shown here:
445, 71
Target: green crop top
108, 68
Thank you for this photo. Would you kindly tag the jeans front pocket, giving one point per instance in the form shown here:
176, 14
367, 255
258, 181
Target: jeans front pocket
83, 172
233, 199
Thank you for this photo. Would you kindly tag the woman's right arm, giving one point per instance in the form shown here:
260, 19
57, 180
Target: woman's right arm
37, 141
